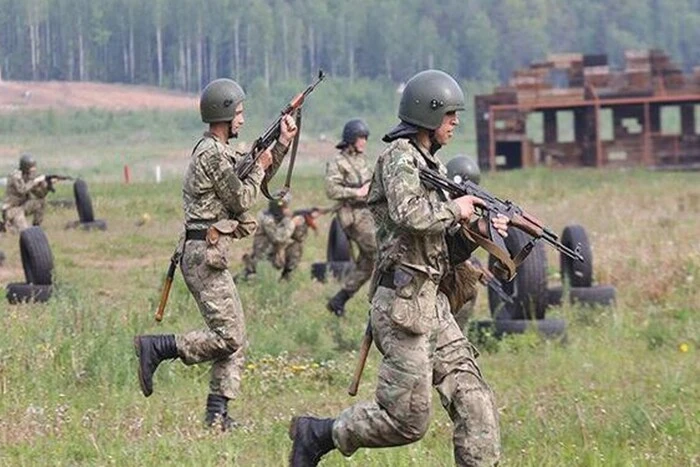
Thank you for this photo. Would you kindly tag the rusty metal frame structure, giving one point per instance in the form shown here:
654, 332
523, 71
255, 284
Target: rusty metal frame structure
597, 103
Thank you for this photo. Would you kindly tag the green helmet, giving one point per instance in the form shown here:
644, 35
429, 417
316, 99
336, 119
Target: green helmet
462, 168
219, 100
428, 96
26, 162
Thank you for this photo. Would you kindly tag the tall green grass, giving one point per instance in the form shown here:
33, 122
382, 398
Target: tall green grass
624, 390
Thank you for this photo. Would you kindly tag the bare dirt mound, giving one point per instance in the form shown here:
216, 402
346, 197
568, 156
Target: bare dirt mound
18, 95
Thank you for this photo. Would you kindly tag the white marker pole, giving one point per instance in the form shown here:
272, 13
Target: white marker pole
157, 174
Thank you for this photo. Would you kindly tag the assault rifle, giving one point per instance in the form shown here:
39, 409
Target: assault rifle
270, 135
489, 280
310, 215
519, 218
174, 259
50, 179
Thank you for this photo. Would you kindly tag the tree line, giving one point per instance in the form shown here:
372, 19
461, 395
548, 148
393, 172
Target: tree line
182, 44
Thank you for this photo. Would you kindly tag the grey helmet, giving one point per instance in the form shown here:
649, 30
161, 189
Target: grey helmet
276, 206
219, 100
428, 96
462, 168
353, 129
26, 162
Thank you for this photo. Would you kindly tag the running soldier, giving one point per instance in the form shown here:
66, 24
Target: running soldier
411, 323
216, 203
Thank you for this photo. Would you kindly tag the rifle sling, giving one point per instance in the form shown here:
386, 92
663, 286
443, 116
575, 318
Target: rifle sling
503, 257
292, 158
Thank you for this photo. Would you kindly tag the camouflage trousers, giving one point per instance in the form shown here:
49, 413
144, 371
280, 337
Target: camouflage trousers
16, 217
286, 256
412, 364
358, 225
223, 342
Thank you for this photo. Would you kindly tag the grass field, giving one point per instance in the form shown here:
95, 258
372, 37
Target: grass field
624, 390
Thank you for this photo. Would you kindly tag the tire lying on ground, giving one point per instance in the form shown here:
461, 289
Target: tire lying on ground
574, 272
547, 328
339, 269
37, 259
27, 293
601, 295
529, 287
338, 248
83, 201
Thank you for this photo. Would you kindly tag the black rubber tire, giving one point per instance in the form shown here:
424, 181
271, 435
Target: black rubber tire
26, 293
97, 224
318, 271
83, 201
529, 287
2, 257
338, 248
547, 328
600, 295
574, 272
37, 259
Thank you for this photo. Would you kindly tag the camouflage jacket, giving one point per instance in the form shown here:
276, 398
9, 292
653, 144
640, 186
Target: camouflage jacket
20, 189
278, 233
347, 172
211, 189
410, 218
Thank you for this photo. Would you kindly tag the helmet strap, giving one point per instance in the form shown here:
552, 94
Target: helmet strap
434, 145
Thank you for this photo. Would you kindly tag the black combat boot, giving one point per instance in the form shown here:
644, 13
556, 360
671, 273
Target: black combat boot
312, 438
151, 350
217, 412
337, 303
286, 274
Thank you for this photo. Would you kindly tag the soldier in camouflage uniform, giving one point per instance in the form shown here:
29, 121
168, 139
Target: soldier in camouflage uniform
411, 323
216, 204
347, 181
279, 237
25, 196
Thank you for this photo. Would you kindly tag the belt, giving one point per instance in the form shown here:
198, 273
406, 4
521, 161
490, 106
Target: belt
200, 234
387, 280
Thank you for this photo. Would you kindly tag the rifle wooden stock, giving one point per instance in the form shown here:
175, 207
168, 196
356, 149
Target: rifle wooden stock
166, 291
359, 368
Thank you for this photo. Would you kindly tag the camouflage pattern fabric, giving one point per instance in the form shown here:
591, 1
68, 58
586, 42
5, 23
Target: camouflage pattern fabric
24, 197
279, 241
413, 328
211, 193
344, 175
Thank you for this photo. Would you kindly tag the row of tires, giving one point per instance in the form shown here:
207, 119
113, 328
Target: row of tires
531, 296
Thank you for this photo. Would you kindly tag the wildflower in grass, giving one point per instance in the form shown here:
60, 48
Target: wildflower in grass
684, 347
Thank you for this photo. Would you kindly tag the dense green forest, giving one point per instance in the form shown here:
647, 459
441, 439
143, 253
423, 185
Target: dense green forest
184, 43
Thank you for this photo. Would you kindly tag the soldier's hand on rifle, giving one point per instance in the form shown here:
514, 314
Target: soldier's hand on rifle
467, 204
363, 190
298, 220
500, 223
265, 159
288, 130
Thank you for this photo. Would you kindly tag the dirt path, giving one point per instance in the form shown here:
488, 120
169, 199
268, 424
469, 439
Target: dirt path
17, 95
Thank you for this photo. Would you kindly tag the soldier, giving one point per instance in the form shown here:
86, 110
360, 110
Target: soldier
279, 237
412, 326
347, 181
215, 202
25, 195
